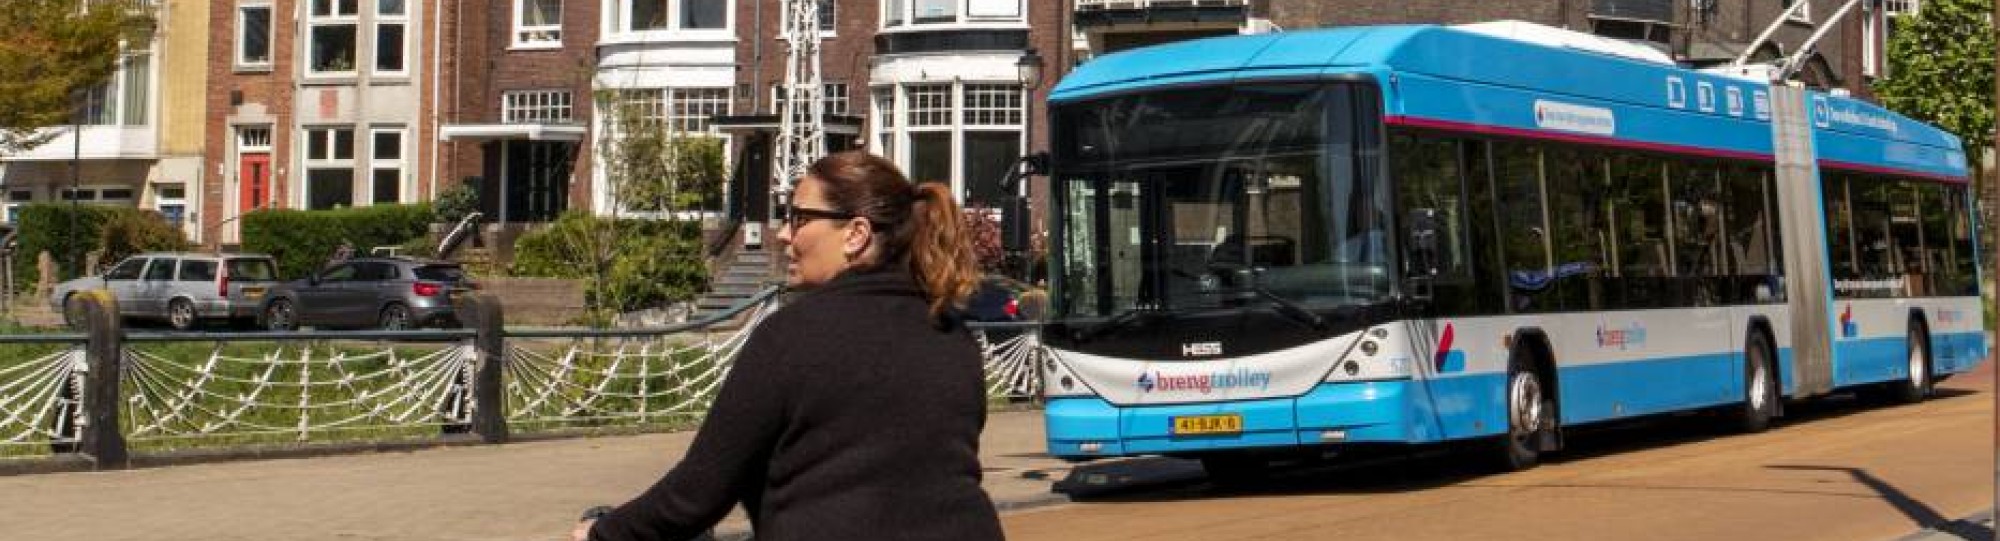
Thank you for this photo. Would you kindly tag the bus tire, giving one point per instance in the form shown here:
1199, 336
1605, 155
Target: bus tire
1529, 409
1917, 385
1760, 385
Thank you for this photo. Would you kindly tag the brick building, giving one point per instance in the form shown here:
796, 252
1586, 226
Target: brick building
315, 104
515, 105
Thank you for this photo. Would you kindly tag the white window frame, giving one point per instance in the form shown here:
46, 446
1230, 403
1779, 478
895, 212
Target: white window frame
314, 21
161, 201
621, 24
962, 15
332, 160
547, 36
375, 38
270, 21
377, 164
537, 107
829, 22
13, 206
248, 139
893, 128
680, 120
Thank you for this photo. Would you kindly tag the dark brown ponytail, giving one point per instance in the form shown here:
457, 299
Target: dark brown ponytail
920, 225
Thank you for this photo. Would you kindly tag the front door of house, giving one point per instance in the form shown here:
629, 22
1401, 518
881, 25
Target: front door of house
255, 186
537, 180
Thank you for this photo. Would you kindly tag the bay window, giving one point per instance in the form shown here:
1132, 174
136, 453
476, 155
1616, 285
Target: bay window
966, 134
906, 13
672, 15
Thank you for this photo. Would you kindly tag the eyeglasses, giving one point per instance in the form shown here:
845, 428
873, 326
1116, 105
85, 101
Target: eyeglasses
797, 216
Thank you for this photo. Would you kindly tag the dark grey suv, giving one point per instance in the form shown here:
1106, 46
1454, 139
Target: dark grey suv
380, 292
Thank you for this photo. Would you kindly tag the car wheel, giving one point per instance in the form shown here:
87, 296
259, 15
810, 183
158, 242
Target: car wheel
395, 317
281, 316
180, 314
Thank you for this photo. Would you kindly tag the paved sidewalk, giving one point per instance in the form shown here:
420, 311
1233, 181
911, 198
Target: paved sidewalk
1978, 527
522, 491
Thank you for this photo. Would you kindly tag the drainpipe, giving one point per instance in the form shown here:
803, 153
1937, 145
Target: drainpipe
437, 80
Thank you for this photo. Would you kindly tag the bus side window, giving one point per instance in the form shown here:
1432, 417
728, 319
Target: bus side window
1429, 183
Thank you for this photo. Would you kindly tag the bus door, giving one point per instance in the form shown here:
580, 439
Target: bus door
1801, 215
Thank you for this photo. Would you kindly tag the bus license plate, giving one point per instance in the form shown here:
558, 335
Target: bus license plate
1194, 425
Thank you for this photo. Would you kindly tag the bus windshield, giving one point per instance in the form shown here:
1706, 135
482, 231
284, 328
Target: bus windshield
1219, 197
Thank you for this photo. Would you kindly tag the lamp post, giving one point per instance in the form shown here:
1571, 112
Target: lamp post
1028, 71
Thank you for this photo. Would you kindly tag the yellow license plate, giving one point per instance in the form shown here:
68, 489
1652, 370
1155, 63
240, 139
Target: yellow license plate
1192, 425
253, 293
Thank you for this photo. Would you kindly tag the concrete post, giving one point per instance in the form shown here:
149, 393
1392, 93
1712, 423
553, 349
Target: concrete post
102, 440
483, 314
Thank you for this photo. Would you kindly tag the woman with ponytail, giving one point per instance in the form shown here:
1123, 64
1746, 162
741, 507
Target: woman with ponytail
854, 412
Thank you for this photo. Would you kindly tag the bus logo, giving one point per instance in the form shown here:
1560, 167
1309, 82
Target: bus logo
1821, 116
1447, 359
1621, 338
1201, 349
1848, 328
1240, 378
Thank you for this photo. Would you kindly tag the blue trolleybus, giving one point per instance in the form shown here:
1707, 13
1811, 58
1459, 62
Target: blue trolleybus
1418, 234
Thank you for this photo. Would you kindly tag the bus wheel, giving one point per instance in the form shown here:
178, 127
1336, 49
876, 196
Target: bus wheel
1528, 418
1760, 386
1917, 386
1235, 469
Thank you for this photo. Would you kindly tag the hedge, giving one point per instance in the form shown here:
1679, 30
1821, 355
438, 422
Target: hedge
118, 231
628, 264
304, 240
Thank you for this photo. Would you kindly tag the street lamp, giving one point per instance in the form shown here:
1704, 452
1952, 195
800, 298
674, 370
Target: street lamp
1028, 71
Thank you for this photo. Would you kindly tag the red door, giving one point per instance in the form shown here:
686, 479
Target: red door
256, 182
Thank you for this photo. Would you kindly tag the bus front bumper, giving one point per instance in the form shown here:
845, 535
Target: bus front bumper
1081, 428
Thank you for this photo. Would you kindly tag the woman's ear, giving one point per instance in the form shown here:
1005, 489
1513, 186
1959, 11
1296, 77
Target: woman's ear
859, 234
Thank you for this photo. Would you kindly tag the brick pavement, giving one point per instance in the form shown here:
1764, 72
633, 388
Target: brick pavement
521, 491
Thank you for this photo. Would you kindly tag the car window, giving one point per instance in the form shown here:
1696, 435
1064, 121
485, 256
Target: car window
441, 273
340, 273
161, 270
127, 269
194, 270
252, 269
374, 271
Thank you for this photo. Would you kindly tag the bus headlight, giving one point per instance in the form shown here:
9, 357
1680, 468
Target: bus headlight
1377, 356
1058, 381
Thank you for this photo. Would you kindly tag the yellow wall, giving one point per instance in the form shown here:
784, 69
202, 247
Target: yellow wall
183, 63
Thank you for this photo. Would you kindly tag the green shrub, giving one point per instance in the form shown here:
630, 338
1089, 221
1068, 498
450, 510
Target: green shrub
119, 231
455, 202
628, 264
303, 240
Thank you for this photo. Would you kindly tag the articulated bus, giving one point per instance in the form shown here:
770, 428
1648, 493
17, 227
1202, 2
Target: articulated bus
1302, 242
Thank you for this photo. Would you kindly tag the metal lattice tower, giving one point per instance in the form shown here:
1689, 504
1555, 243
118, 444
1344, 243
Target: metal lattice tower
802, 132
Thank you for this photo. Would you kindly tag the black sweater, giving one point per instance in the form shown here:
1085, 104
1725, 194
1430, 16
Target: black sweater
848, 415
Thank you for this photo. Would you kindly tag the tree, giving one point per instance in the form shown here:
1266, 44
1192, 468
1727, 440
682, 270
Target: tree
650, 166
52, 49
1941, 71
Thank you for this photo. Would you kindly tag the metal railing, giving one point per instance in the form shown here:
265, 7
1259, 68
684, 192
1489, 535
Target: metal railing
107, 391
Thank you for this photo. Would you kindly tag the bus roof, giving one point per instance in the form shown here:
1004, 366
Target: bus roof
1472, 80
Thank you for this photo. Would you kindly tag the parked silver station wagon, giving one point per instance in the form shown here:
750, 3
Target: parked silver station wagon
182, 289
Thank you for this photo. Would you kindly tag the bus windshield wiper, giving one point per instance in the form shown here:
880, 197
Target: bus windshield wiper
1288, 308
1115, 322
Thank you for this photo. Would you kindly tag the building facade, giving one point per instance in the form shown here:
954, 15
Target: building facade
516, 102
136, 139
316, 104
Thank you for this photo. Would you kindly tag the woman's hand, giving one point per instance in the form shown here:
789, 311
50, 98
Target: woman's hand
582, 530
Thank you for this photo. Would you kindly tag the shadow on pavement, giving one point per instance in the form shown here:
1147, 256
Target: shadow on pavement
1414, 468
1922, 515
